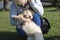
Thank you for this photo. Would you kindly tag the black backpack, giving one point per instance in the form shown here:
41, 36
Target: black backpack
45, 25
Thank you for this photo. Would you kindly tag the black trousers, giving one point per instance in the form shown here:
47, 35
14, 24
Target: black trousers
6, 3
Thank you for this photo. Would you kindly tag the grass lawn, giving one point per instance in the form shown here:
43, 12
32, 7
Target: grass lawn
8, 32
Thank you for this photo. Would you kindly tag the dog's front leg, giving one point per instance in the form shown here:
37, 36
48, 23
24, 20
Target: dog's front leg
39, 36
29, 38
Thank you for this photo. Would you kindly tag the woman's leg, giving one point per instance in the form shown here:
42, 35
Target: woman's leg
21, 32
37, 19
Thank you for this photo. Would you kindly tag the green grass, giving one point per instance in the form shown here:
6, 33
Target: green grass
8, 32
54, 18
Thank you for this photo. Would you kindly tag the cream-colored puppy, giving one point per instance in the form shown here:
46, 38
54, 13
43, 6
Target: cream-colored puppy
32, 30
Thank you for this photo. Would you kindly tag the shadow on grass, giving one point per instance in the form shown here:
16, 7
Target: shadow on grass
53, 38
10, 36
15, 36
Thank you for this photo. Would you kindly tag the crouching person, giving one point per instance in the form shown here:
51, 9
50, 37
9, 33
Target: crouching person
18, 6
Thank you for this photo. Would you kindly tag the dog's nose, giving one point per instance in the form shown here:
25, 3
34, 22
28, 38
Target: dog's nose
26, 16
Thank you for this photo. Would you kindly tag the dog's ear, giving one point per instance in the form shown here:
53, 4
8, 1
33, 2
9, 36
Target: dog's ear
31, 11
30, 17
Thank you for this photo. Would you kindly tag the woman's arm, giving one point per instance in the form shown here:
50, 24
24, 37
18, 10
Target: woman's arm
13, 12
37, 6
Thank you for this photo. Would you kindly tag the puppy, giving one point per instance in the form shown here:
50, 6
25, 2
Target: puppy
32, 30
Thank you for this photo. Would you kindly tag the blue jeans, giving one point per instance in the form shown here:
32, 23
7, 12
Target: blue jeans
36, 19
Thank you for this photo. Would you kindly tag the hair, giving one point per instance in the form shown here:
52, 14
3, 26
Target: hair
20, 1
16, 2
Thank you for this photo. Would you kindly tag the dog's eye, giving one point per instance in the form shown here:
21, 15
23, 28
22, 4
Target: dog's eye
30, 17
24, 16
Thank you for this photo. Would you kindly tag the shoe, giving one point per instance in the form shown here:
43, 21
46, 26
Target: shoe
1, 9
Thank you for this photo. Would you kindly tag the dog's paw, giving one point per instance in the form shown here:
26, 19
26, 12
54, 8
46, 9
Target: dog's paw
14, 18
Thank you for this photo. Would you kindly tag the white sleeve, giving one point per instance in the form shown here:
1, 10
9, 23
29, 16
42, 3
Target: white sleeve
37, 6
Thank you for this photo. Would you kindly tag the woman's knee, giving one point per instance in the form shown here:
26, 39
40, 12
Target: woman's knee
37, 19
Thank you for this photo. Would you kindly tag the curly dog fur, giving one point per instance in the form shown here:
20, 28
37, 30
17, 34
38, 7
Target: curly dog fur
32, 30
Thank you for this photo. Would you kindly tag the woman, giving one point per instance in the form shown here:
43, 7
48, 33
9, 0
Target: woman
17, 7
